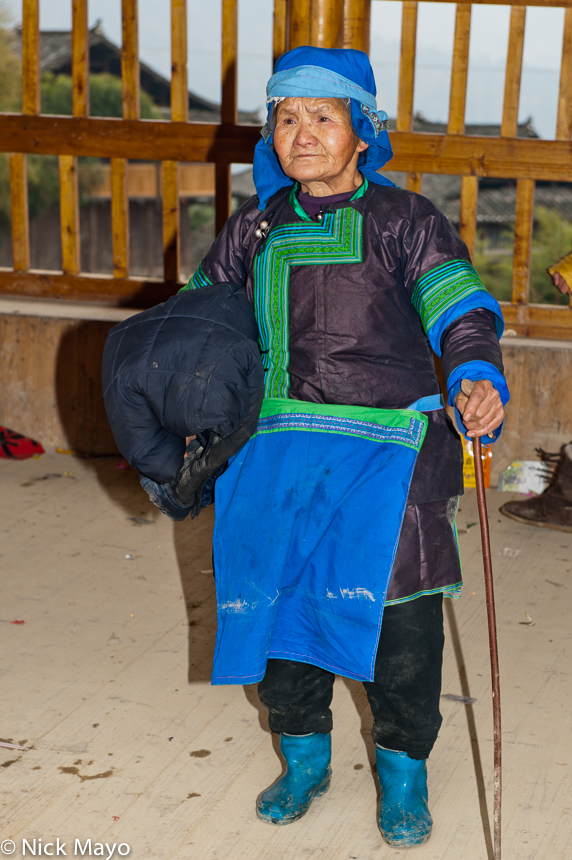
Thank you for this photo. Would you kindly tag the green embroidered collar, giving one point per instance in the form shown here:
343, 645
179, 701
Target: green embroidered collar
294, 203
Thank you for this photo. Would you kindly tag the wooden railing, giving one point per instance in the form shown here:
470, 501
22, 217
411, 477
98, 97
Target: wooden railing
328, 23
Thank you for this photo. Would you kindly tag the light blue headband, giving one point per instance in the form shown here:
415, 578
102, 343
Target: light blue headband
306, 81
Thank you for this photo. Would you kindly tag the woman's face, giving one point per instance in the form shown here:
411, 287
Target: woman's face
315, 142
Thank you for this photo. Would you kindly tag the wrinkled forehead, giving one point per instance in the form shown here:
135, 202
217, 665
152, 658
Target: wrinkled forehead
299, 105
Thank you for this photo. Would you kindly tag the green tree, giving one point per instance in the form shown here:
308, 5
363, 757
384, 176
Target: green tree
10, 76
551, 240
9, 101
105, 96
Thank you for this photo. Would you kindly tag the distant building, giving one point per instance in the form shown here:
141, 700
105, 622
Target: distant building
105, 56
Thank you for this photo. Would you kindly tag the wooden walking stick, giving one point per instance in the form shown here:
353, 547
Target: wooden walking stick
466, 388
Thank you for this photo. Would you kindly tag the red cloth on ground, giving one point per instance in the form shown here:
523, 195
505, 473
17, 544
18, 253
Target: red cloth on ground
14, 446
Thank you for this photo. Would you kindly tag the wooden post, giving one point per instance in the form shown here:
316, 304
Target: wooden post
299, 27
229, 109
460, 69
327, 23
131, 109
170, 169
280, 29
69, 215
171, 225
80, 59
407, 66
223, 200
564, 120
468, 213
407, 77
130, 59
119, 218
414, 182
357, 24
68, 164
19, 212
179, 86
31, 57
30, 105
513, 71
524, 219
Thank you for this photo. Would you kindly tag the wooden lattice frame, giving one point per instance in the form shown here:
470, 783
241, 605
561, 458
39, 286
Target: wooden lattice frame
330, 23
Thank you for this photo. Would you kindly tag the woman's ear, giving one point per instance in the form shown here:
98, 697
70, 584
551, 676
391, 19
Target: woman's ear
361, 145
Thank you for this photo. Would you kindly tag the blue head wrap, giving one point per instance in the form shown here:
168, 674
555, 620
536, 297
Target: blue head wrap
324, 73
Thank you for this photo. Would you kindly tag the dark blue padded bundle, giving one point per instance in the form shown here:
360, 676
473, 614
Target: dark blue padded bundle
190, 366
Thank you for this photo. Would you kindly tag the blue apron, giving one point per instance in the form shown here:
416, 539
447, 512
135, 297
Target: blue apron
308, 517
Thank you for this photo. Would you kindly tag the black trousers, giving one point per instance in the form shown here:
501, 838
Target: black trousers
404, 695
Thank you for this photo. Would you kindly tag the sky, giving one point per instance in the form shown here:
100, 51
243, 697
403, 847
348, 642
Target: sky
488, 48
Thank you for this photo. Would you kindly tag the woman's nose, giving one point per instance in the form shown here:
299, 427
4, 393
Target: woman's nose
305, 135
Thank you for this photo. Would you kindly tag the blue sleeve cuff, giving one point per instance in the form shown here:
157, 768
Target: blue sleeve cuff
479, 299
475, 370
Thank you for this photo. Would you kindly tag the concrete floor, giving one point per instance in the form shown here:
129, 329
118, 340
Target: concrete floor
107, 682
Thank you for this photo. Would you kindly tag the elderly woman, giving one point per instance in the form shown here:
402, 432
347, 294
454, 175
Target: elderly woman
335, 525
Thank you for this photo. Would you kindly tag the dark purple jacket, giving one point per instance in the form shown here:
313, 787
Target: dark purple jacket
354, 334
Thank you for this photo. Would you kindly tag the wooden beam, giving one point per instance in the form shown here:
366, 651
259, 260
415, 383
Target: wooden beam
522, 241
126, 292
513, 71
482, 156
327, 23
407, 66
80, 59
179, 86
279, 29
549, 321
468, 212
19, 212
171, 225
69, 214
357, 24
564, 120
168, 141
299, 32
460, 69
119, 218
31, 57
414, 182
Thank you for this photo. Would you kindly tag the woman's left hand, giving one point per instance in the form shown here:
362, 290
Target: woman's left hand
483, 411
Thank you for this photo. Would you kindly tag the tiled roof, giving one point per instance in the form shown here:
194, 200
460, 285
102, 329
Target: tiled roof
421, 124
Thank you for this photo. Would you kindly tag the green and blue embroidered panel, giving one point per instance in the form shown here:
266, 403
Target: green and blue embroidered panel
445, 293
400, 426
198, 280
338, 238
443, 287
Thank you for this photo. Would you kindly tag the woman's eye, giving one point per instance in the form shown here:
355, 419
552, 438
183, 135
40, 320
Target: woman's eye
324, 119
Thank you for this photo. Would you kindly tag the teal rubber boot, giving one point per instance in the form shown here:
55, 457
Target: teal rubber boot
404, 818
307, 776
